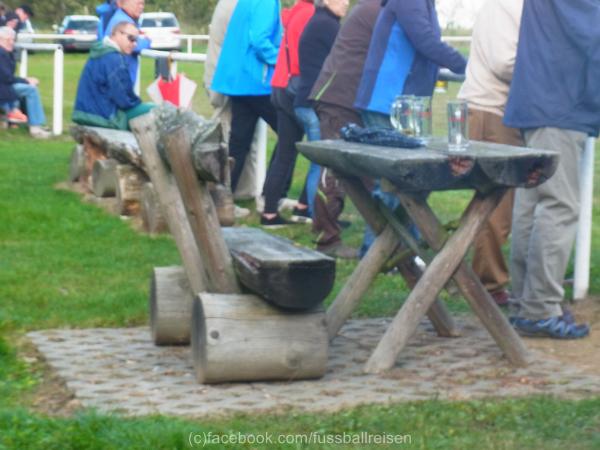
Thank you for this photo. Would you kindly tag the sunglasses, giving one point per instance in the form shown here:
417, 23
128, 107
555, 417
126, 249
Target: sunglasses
130, 37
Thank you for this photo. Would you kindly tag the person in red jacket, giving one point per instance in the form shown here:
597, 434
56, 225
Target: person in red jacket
289, 131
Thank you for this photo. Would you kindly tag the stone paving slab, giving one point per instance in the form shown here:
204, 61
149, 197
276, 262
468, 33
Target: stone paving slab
121, 371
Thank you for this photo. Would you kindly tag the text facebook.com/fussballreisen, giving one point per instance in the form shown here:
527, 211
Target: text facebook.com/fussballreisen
203, 439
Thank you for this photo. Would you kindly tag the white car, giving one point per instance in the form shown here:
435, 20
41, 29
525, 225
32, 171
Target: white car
162, 28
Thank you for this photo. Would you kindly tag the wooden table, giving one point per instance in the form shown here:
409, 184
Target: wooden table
488, 169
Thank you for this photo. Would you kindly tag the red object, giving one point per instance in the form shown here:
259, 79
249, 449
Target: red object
69, 31
294, 20
170, 90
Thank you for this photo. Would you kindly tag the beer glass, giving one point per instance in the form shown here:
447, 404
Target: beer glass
458, 130
401, 114
421, 112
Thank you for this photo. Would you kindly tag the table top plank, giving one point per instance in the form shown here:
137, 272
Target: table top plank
482, 166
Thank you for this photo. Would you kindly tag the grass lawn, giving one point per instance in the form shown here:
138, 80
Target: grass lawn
66, 264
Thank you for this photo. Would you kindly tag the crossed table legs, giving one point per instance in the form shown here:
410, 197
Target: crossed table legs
448, 263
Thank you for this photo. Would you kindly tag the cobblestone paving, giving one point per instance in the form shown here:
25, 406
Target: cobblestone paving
120, 370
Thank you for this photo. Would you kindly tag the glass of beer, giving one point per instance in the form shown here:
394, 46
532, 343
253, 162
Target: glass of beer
401, 114
458, 130
421, 112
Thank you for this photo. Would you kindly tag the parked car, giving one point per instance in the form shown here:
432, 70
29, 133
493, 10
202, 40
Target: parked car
83, 26
162, 28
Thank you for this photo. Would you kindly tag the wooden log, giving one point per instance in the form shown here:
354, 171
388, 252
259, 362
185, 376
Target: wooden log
77, 163
365, 273
470, 286
278, 270
104, 178
92, 153
433, 280
152, 217
130, 181
482, 166
116, 144
201, 214
223, 201
242, 338
209, 159
144, 128
170, 305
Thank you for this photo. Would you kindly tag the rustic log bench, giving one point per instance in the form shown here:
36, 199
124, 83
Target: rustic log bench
109, 163
280, 332
489, 169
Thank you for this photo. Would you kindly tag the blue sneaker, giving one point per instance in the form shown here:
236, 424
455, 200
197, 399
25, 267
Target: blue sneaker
554, 327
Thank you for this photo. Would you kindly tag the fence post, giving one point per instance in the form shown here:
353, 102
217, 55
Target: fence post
583, 244
57, 111
23, 63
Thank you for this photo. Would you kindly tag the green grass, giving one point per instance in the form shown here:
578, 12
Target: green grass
64, 263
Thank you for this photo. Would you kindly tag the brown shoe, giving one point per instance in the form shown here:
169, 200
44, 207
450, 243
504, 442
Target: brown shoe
501, 297
339, 250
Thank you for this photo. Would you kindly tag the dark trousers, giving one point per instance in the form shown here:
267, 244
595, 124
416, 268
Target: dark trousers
329, 201
289, 131
245, 112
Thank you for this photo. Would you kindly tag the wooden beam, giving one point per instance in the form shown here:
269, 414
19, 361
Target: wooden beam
201, 214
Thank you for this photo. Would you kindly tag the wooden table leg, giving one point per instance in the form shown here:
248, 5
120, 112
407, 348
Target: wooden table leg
433, 280
386, 244
468, 282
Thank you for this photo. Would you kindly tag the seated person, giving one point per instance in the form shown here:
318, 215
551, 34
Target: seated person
13, 89
105, 96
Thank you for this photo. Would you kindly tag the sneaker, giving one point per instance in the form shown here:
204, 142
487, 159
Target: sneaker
339, 250
501, 297
240, 212
286, 203
554, 327
274, 222
16, 116
301, 215
39, 133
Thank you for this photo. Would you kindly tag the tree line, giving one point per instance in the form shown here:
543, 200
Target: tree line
193, 14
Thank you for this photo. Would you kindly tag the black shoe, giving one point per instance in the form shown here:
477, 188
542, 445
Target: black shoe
301, 215
274, 222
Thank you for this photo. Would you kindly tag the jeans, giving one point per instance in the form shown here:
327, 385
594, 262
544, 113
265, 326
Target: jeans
35, 111
310, 121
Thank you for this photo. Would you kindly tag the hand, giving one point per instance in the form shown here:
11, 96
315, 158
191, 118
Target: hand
33, 81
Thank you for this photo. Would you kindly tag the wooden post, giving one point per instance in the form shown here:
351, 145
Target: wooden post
201, 215
241, 338
170, 305
104, 178
144, 129
152, 217
471, 287
92, 153
77, 163
366, 271
130, 181
433, 280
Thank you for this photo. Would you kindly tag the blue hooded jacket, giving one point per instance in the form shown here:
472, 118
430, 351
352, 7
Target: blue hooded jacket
556, 80
404, 55
250, 48
105, 89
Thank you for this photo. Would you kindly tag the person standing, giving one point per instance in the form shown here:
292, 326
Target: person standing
404, 56
244, 73
129, 11
289, 130
221, 104
315, 44
555, 99
488, 77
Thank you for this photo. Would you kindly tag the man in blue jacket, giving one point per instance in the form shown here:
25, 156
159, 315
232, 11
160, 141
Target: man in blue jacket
555, 100
404, 56
244, 73
105, 96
